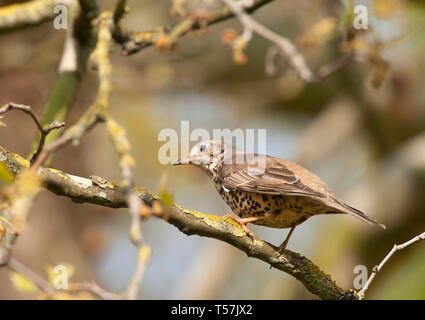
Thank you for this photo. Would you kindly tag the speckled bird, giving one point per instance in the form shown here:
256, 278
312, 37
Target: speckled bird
281, 194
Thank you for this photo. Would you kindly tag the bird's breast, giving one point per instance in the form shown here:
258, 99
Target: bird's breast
278, 211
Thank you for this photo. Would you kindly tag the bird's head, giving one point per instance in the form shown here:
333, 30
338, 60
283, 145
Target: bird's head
205, 154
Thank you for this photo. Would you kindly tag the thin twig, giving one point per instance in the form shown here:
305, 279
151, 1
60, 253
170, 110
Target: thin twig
43, 131
46, 287
333, 66
54, 125
24, 108
94, 288
40, 282
135, 41
285, 48
378, 268
136, 279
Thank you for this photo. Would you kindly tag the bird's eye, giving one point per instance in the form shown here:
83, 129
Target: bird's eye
202, 148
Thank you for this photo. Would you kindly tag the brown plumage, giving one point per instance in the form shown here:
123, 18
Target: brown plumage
280, 194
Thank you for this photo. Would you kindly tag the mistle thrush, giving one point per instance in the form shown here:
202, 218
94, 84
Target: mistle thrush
282, 194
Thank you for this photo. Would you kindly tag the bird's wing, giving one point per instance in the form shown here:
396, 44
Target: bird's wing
280, 178
277, 179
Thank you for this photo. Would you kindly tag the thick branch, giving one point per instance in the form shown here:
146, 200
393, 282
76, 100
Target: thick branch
17, 16
101, 192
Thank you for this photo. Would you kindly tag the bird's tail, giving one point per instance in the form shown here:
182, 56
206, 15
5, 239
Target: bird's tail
360, 215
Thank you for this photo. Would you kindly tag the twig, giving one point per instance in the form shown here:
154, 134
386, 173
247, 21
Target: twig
40, 282
54, 125
94, 288
286, 47
189, 222
135, 41
43, 131
21, 107
333, 66
46, 287
378, 268
136, 279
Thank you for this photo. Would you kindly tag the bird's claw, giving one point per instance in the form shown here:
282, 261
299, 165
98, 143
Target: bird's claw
242, 223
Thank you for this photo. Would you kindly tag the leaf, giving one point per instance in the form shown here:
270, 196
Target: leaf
22, 283
5, 174
2, 124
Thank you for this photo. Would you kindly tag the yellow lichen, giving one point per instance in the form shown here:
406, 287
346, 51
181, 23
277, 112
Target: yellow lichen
102, 183
21, 162
224, 224
30, 12
58, 173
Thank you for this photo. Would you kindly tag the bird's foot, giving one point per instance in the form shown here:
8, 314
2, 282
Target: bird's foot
243, 222
282, 247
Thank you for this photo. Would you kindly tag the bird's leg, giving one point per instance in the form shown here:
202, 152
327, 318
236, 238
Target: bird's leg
285, 243
243, 222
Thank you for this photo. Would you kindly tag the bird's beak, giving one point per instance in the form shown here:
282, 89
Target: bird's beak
182, 161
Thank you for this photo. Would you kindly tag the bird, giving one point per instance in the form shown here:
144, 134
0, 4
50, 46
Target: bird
281, 195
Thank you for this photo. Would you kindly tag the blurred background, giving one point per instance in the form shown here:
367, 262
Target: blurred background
361, 130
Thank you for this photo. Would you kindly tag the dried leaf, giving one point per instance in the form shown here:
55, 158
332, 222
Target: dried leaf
229, 36
145, 211
239, 56
162, 42
157, 208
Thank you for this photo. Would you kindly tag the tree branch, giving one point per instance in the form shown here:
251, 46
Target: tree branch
21, 15
187, 221
135, 41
